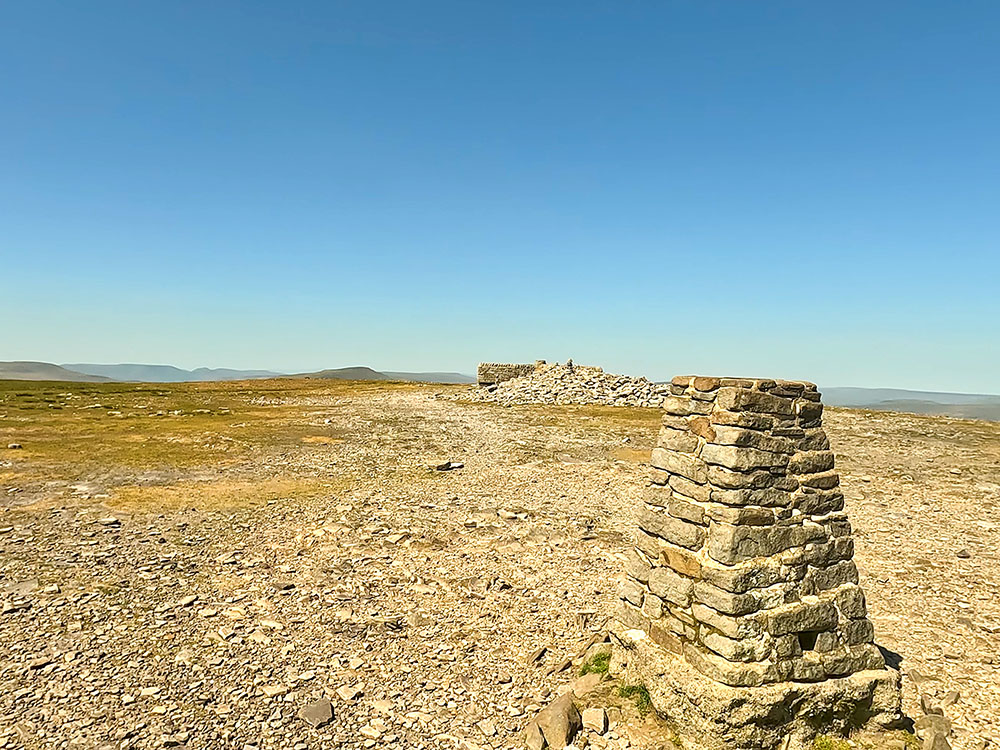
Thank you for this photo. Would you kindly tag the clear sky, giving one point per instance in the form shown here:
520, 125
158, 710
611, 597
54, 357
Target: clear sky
787, 189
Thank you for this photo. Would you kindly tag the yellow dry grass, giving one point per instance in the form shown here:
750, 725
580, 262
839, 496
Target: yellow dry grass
173, 444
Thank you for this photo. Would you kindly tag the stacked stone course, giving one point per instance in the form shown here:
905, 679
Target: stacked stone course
743, 569
494, 373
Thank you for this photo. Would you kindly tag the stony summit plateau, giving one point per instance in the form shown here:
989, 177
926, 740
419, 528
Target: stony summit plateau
553, 555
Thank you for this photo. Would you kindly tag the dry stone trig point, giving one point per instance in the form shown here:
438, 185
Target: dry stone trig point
741, 612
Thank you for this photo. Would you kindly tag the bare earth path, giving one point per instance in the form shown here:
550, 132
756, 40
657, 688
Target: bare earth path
334, 563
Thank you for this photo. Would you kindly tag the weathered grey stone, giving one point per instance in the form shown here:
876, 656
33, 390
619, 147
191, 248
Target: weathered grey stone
632, 591
750, 515
931, 724
317, 713
850, 601
936, 741
649, 544
687, 510
687, 466
668, 585
630, 616
856, 632
742, 459
559, 721
823, 481
678, 406
672, 529
745, 649
826, 641
809, 614
813, 502
811, 462
729, 435
652, 606
824, 579
677, 440
742, 577
850, 659
808, 412
726, 601
637, 565
684, 486
837, 525
731, 544
739, 399
658, 495
741, 674
814, 439
674, 422
787, 646
728, 625
728, 479
768, 497
742, 419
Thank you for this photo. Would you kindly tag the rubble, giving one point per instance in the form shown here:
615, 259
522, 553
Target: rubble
565, 384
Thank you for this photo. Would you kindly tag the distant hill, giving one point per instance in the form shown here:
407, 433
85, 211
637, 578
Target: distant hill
136, 373
45, 371
964, 405
344, 373
89, 372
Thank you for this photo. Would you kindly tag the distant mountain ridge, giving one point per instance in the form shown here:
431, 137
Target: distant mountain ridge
139, 373
24, 370
962, 405
88, 372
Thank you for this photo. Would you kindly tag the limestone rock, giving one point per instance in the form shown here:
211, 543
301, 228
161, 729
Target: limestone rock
557, 724
317, 713
595, 719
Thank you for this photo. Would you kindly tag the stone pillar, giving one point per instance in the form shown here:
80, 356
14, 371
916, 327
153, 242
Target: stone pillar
741, 611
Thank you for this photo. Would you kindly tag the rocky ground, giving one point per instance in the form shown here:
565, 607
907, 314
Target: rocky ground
240, 599
562, 384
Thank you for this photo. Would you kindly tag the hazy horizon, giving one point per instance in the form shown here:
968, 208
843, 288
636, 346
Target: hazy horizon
780, 189
470, 372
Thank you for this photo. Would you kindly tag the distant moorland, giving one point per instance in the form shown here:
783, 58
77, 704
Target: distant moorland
963, 405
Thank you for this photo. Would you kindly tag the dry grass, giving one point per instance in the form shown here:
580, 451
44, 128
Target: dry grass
172, 445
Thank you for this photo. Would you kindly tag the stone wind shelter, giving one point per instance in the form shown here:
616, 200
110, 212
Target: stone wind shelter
741, 611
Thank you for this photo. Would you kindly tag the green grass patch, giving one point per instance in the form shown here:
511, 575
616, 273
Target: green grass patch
597, 664
640, 696
911, 740
826, 742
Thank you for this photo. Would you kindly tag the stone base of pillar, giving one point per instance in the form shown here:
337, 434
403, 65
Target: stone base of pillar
708, 715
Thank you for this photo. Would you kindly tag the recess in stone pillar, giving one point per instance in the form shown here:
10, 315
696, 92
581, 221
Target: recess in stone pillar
741, 611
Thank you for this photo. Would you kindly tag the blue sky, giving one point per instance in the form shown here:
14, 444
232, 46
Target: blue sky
789, 189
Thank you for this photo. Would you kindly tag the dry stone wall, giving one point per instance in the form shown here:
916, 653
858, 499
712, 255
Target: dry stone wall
743, 571
493, 373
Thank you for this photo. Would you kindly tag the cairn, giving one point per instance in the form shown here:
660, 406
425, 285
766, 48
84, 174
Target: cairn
741, 612
563, 384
